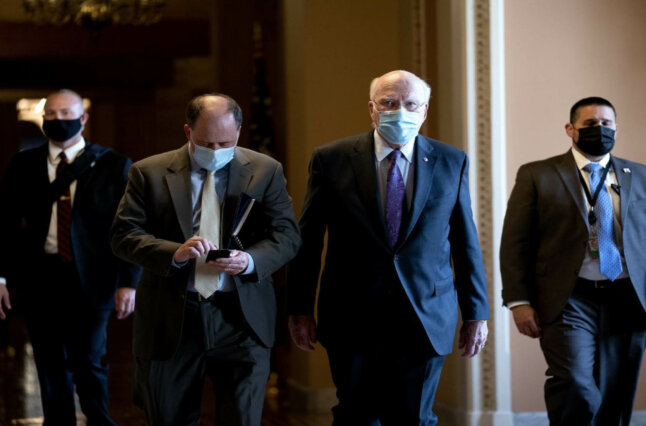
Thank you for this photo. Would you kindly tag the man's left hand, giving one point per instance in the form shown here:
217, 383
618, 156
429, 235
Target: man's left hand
473, 336
124, 301
235, 264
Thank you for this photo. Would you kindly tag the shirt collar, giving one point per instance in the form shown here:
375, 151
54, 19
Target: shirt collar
71, 153
382, 149
582, 161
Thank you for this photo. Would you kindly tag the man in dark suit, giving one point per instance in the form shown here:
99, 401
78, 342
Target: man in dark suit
197, 317
397, 212
58, 202
574, 269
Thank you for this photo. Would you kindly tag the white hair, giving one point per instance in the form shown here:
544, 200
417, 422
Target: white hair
425, 86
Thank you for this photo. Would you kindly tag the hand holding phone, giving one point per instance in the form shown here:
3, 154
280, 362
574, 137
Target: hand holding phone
217, 254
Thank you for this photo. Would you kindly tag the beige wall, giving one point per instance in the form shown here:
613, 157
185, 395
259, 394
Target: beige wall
559, 51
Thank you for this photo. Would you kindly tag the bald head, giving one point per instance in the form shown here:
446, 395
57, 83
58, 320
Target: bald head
401, 79
215, 104
64, 104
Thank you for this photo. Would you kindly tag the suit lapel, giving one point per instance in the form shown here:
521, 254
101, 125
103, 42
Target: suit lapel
83, 178
424, 158
178, 180
624, 179
42, 174
567, 170
240, 174
362, 159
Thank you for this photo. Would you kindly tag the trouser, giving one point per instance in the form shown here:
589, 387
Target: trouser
389, 379
216, 341
594, 352
69, 340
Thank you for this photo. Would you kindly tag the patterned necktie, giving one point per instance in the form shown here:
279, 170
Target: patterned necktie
395, 191
609, 258
64, 217
206, 277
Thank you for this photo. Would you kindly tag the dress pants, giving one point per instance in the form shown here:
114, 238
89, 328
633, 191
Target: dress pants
390, 377
216, 341
69, 341
594, 352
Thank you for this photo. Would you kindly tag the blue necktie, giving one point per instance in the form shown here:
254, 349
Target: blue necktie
395, 191
609, 257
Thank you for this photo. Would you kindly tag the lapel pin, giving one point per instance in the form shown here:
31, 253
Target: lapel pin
425, 160
626, 170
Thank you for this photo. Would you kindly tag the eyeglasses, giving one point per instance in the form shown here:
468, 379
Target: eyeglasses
392, 104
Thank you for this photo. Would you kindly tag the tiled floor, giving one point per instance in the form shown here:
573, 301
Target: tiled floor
20, 398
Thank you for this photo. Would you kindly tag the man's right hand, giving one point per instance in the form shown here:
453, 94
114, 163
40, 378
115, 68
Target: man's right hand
303, 331
4, 300
526, 320
193, 248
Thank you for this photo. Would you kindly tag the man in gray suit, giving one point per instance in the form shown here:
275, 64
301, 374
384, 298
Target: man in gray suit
574, 269
198, 317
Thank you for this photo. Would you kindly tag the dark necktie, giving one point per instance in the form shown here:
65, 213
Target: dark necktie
395, 191
64, 216
609, 258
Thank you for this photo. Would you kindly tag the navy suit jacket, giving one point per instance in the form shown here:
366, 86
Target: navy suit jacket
546, 232
342, 199
25, 216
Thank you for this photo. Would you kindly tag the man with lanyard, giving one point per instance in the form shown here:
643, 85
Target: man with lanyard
574, 268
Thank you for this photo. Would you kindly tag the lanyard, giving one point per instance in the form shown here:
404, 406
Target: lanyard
592, 199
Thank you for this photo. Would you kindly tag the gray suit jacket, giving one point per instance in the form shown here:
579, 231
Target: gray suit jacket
155, 218
546, 231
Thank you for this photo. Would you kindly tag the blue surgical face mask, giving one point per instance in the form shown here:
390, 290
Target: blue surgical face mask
400, 126
212, 160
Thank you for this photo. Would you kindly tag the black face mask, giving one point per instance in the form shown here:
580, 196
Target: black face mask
61, 130
597, 140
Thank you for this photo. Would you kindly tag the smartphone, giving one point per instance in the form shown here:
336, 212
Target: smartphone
217, 254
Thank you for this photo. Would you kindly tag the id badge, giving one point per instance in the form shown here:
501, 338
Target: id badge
593, 246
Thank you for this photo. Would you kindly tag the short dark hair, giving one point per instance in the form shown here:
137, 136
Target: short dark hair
195, 106
592, 100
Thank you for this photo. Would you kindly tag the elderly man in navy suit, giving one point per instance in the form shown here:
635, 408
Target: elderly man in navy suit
58, 202
397, 211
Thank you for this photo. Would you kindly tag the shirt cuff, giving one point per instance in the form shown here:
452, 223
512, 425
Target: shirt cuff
178, 265
512, 305
3, 281
251, 267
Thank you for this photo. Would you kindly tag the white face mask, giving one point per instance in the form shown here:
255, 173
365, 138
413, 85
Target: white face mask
211, 159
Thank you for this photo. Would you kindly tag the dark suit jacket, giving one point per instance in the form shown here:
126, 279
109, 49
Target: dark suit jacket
343, 199
155, 218
25, 216
545, 233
